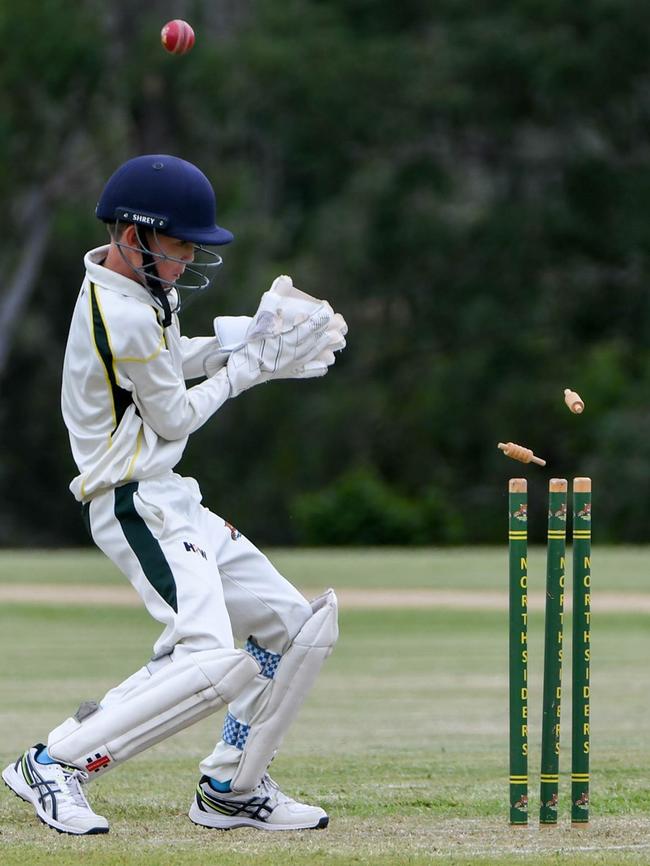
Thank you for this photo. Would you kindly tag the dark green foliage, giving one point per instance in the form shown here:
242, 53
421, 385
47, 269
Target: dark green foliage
468, 183
360, 509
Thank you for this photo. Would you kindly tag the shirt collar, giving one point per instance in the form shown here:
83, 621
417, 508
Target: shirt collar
111, 280
118, 283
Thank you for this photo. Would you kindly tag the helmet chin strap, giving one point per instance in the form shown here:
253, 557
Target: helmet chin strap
156, 289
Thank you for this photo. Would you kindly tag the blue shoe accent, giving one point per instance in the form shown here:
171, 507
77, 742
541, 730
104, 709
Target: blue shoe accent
222, 787
43, 757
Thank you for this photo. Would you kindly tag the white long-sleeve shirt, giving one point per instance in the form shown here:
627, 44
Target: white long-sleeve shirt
124, 399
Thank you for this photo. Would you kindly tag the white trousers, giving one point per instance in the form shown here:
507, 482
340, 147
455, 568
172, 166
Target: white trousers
203, 580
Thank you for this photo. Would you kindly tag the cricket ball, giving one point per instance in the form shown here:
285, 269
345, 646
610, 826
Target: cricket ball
177, 37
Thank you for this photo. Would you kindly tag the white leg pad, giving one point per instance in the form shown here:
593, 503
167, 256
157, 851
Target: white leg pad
293, 679
175, 696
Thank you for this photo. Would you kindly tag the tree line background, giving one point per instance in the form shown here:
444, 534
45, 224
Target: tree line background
468, 183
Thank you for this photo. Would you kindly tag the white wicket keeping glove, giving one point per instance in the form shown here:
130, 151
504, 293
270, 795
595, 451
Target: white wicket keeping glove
305, 369
230, 331
292, 335
281, 308
320, 364
298, 353
294, 304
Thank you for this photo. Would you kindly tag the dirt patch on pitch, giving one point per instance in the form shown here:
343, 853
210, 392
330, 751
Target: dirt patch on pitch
368, 599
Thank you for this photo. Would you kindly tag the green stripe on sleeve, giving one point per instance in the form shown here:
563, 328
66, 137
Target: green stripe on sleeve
145, 546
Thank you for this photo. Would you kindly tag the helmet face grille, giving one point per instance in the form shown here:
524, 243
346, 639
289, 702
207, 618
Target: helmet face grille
171, 192
171, 297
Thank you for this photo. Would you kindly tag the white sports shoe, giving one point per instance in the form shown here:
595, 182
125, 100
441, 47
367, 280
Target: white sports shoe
265, 807
54, 790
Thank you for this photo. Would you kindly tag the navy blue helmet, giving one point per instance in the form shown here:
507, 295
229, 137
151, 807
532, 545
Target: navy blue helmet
166, 193
161, 194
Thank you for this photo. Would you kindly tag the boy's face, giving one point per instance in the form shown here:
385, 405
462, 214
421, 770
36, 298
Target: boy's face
171, 271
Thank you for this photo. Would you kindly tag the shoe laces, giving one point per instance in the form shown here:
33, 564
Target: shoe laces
271, 788
73, 779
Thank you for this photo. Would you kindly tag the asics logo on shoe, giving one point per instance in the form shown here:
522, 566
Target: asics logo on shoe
44, 789
255, 807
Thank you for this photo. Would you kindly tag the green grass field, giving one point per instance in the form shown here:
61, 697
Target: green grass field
403, 740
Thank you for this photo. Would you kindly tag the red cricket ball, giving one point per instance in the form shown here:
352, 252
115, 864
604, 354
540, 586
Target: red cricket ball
177, 36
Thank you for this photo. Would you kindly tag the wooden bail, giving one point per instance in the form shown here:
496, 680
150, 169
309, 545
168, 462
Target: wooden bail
519, 452
574, 401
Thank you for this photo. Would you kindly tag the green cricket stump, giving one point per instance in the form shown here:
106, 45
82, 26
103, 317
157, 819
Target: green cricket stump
518, 648
581, 655
553, 650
